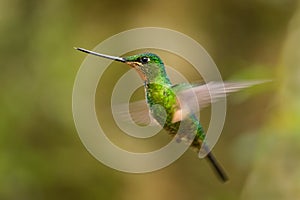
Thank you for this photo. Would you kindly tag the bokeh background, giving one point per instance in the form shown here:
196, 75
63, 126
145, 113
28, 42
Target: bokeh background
41, 155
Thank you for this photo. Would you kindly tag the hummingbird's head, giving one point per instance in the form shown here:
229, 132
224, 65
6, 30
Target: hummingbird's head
148, 65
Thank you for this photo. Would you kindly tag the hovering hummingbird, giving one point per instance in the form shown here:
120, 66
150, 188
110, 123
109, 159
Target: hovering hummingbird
175, 101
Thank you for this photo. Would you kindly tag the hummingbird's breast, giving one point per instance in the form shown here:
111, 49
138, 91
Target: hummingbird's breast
162, 102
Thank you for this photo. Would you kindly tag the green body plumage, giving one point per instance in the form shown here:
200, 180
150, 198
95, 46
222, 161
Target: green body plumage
163, 95
160, 91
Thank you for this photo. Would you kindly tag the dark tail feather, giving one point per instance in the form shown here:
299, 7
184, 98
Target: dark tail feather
217, 167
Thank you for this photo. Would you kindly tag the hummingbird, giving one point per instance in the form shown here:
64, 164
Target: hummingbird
175, 101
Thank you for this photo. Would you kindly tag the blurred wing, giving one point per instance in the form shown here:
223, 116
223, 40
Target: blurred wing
137, 112
194, 98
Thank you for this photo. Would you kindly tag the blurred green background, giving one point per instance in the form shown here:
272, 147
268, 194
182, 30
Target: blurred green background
41, 155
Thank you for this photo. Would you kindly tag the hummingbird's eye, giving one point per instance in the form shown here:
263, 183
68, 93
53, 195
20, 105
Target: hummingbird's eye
144, 59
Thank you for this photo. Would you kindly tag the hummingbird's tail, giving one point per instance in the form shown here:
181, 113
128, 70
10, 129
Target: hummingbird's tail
217, 167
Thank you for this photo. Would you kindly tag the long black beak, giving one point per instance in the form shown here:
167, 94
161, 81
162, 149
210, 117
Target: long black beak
101, 55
